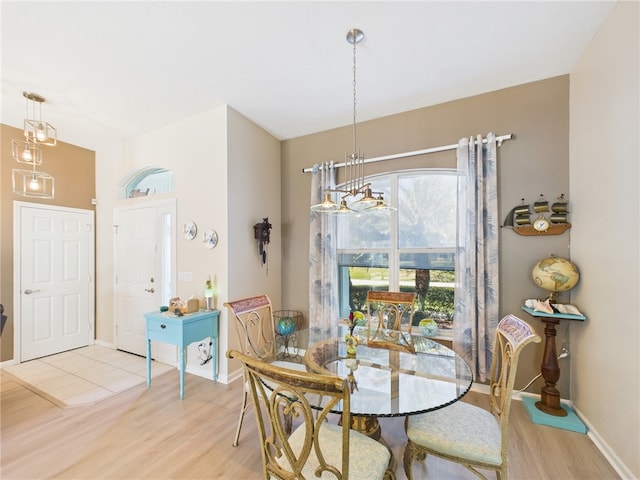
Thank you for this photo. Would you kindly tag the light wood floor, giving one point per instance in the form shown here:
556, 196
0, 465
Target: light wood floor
151, 434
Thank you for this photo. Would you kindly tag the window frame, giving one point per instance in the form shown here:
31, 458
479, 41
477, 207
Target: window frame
393, 251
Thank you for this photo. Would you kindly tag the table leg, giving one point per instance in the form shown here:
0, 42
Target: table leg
148, 363
181, 372
549, 394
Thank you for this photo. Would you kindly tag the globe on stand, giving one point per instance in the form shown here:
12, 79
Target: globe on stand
285, 326
555, 275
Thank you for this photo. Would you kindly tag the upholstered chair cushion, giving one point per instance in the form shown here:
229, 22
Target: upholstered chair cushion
460, 430
368, 459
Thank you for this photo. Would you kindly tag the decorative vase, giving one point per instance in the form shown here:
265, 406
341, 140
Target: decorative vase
352, 343
428, 327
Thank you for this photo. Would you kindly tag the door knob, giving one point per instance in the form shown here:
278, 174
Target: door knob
29, 292
150, 290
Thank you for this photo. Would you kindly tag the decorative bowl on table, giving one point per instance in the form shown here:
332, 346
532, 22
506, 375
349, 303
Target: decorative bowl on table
428, 327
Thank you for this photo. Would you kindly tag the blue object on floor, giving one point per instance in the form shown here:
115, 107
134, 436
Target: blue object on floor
570, 422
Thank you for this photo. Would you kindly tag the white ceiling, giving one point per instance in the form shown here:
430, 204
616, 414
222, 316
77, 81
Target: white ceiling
113, 70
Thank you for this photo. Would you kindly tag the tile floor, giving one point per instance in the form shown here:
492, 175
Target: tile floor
84, 376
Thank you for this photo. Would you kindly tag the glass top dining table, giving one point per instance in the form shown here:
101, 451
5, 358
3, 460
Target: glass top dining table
386, 381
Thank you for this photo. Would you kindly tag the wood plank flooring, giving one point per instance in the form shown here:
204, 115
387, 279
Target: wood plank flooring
152, 434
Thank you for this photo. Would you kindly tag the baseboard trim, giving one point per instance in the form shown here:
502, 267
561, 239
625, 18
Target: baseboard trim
104, 344
8, 363
615, 461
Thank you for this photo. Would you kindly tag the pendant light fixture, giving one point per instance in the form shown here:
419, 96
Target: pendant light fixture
35, 129
32, 183
356, 196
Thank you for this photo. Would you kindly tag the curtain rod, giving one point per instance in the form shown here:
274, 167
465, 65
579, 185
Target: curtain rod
394, 156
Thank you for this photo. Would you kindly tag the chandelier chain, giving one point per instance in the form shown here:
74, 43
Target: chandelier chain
355, 143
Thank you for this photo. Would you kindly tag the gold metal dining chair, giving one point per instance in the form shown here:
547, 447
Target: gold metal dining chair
255, 331
317, 448
390, 315
468, 434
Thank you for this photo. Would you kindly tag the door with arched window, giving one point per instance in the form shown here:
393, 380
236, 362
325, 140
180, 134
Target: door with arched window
144, 262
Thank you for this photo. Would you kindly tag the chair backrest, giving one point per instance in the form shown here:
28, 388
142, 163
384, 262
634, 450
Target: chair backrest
390, 311
254, 326
279, 393
512, 335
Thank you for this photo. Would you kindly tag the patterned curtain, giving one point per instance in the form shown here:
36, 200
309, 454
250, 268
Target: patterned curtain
476, 290
323, 266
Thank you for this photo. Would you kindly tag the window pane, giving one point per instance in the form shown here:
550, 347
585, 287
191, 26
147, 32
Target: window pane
149, 181
357, 274
427, 210
441, 260
412, 250
367, 230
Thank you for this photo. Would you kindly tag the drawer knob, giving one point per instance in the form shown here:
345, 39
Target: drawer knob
162, 325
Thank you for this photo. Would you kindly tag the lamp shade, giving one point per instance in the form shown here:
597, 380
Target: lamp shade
30, 183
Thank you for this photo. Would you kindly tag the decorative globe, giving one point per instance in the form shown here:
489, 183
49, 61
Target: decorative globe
555, 274
285, 326
428, 327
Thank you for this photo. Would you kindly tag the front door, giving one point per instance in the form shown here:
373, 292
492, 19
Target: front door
54, 267
144, 268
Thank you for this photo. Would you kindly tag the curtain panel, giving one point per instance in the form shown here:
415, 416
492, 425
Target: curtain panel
476, 287
323, 265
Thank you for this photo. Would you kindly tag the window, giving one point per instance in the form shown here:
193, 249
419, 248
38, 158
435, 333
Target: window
411, 249
147, 181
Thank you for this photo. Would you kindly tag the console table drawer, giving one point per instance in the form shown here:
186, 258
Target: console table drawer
159, 330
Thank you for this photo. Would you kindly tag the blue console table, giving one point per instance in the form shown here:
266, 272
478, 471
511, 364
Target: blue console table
181, 331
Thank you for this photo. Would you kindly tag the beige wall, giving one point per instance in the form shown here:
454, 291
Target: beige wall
226, 180
253, 192
605, 125
74, 171
536, 162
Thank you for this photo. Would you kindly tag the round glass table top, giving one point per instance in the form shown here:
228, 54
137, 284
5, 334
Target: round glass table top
386, 381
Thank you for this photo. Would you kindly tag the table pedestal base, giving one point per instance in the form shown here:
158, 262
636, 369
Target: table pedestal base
550, 402
368, 426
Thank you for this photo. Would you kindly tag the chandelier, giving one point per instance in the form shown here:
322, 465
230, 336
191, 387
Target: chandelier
356, 196
31, 182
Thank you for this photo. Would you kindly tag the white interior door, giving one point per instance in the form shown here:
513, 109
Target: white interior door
144, 268
54, 279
